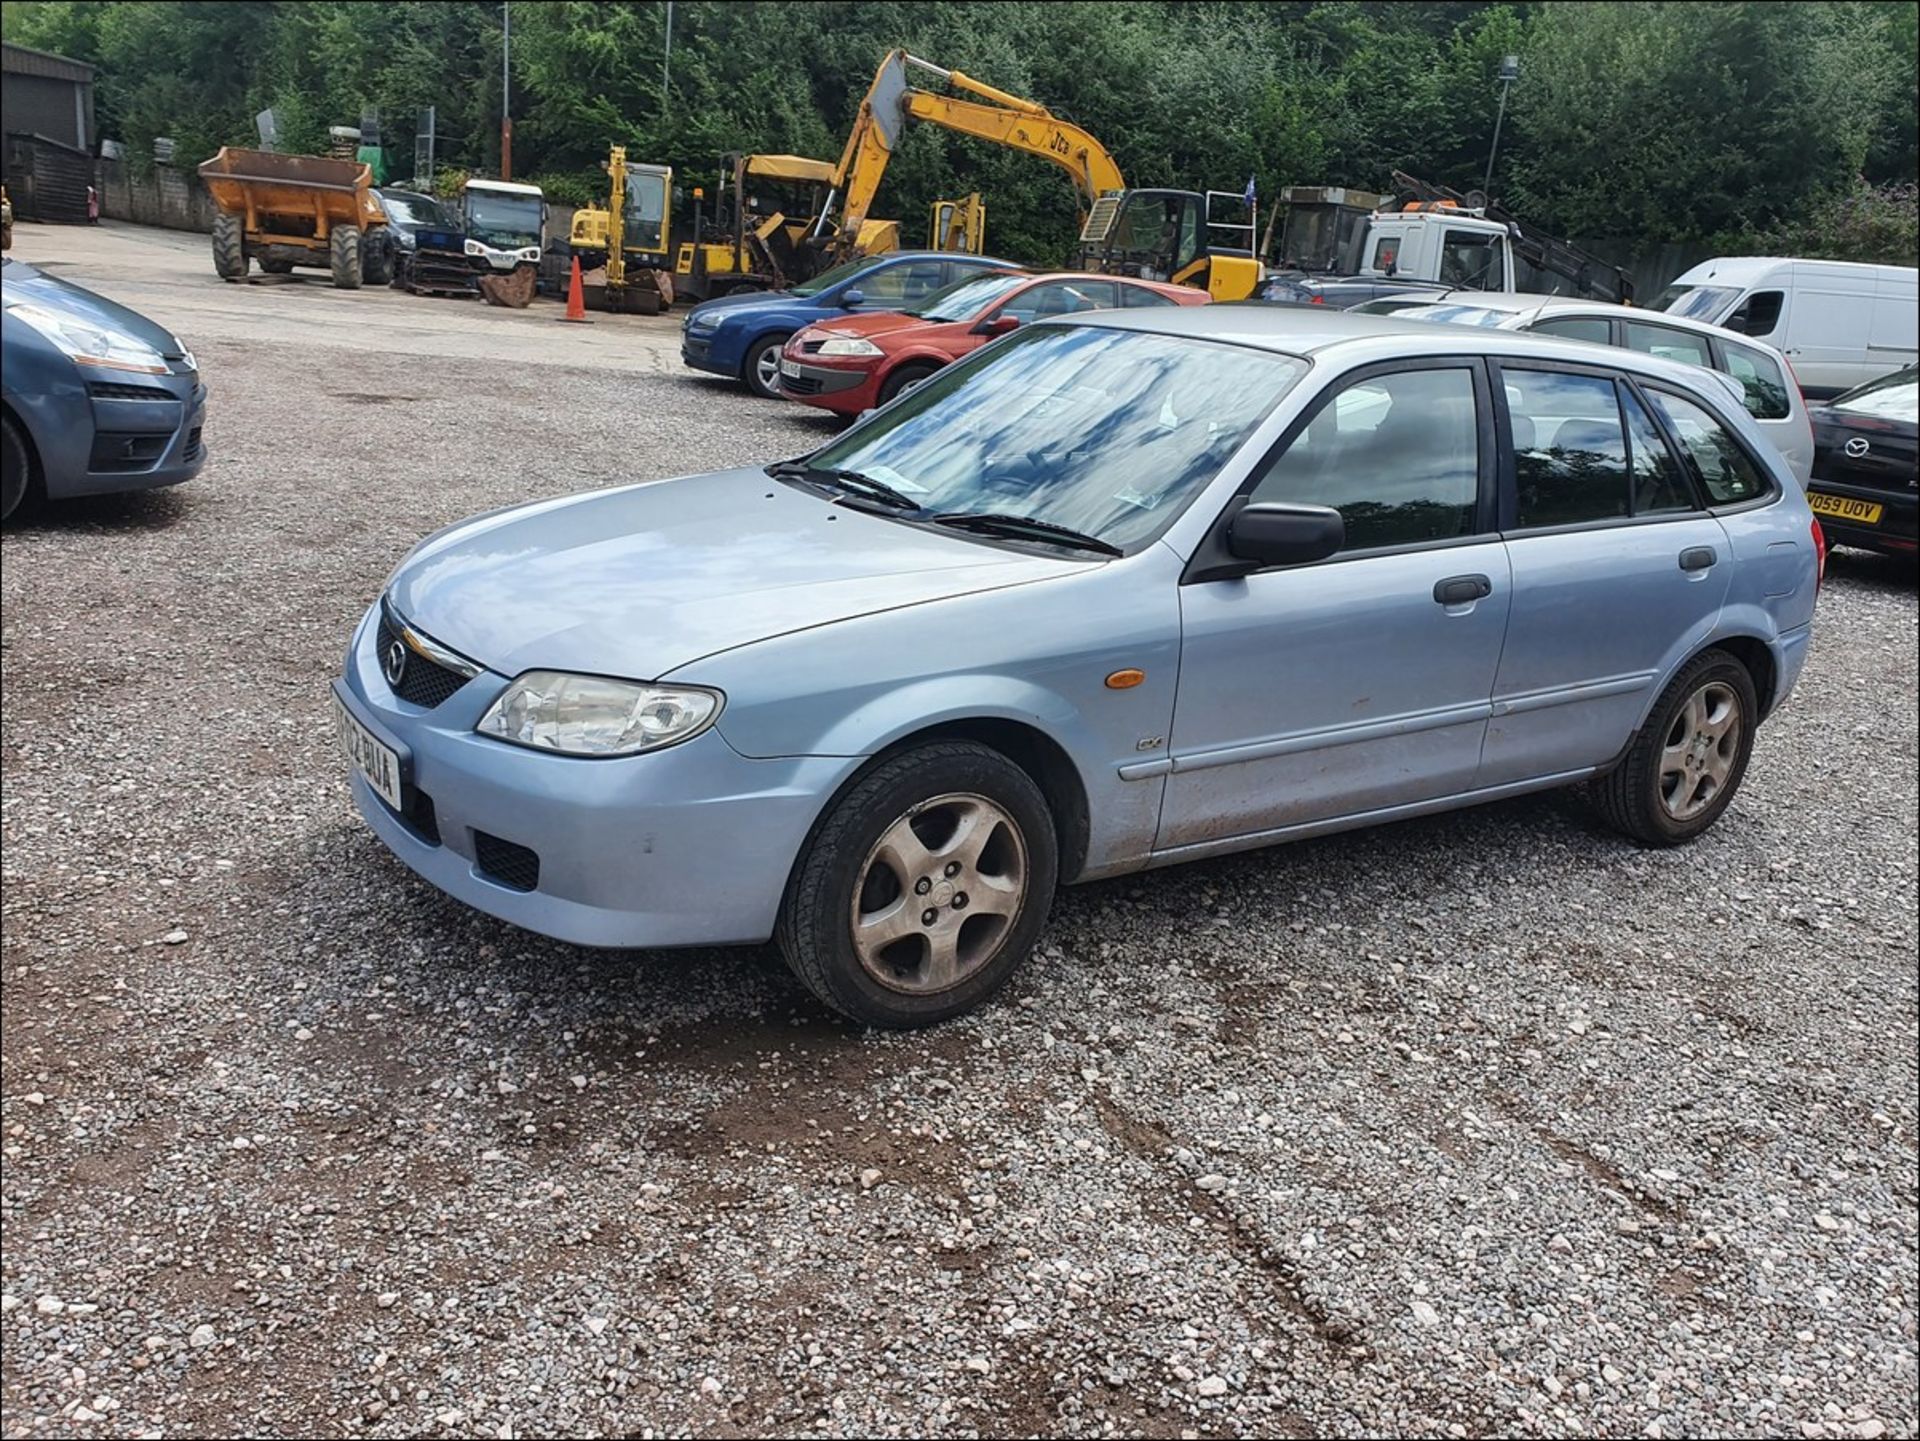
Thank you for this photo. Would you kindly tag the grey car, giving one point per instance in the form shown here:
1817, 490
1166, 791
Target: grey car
97, 398
1119, 590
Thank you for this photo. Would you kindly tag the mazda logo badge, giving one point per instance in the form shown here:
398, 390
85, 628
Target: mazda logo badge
394, 663
1857, 447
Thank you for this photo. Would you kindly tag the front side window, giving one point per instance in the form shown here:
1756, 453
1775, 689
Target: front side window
1569, 451
1759, 313
1469, 261
1723, 467
967, 297
912, 281
1577, 327
1659, 484
1664, 340
1762, 386
1398, 455
1108, 432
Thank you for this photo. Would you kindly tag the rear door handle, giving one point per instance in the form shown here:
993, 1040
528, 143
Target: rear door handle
1697, 557
1461, 589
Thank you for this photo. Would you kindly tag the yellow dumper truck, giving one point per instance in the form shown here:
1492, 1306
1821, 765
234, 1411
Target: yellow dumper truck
288, 210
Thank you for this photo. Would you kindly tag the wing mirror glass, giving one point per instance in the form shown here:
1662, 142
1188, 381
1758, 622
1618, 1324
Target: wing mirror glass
999, 325
1285, 534
852, 299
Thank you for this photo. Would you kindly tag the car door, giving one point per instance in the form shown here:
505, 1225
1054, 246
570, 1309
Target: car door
1363, 681
1616, 566
892, 286
1057, 297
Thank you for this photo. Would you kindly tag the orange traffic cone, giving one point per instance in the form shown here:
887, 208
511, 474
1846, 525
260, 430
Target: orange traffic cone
576, 302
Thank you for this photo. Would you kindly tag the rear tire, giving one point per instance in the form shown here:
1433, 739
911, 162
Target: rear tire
923, 887
229, 248
1683, 768
16, 469
903, 377
343, 256
376, 260
761, 371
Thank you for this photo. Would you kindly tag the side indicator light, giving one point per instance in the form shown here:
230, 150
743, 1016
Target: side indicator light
1125, 679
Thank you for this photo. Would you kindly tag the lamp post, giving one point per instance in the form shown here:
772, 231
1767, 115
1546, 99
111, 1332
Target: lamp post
1509, 72
506, 109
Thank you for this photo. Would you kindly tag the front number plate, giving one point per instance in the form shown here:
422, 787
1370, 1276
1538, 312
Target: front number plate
379, 763
1842, 507
790, 369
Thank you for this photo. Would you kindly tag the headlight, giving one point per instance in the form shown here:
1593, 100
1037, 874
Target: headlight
86, 343
585, 715
474, 247
702, 322
848, 345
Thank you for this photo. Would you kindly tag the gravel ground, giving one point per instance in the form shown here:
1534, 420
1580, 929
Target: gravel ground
1482, 1124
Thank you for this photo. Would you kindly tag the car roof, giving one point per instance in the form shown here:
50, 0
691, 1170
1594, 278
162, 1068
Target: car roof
1530, 307
1310, 332
892, 255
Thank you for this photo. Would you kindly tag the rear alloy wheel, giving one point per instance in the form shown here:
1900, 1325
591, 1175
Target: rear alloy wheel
229, 248
906, 375
343, 256
761, 373
923, 887
16, 469
1683, 768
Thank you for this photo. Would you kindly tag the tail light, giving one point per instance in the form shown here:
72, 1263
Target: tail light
1318, 300
1819, 555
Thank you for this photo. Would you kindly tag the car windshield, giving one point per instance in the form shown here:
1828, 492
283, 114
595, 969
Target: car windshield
506, 222
1107, 432
834, 276
1456, 314
415, 211
966, 297
1891, 397
1702, 302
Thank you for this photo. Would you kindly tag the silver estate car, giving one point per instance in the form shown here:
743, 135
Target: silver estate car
1754, 371
1118, 591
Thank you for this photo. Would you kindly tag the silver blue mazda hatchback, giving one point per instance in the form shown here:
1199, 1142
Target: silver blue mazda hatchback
1119, 591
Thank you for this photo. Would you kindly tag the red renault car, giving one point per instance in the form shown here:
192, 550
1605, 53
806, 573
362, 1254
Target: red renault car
855, 364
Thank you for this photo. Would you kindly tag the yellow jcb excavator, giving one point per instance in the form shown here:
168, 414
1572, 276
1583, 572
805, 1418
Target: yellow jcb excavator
1155, 234
629, 240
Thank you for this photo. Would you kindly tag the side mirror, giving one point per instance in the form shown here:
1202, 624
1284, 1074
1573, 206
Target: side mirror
852, 299
1285, 534
998, 325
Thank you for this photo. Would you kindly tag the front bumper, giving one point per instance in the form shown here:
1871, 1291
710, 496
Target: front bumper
688, 846
829, 387
104, 434
1897, 530
696, 350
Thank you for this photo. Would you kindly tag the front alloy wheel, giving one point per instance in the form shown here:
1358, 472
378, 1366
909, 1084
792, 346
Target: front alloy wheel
922, 887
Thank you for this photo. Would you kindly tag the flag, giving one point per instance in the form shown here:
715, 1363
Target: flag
1248, 197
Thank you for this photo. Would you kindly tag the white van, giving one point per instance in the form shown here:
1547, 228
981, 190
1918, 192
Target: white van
1839, 324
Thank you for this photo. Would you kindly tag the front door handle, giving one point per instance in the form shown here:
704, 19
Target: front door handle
1697, 557
1462, 589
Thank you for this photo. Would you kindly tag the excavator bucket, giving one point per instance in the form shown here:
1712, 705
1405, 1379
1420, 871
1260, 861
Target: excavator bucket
513, 290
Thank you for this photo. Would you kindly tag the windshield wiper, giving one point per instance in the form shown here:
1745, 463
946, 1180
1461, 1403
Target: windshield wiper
990, 522
851, 480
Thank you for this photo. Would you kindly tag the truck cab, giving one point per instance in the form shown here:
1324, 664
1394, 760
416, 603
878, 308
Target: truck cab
504, 222
1442, 244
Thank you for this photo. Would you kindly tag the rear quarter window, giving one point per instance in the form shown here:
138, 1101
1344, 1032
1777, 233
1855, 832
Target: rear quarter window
1763, 388
1726, 472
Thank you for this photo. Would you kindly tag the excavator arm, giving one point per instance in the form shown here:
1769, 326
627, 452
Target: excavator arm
996, 116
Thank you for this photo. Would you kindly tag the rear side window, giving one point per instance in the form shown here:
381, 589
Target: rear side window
902, 282
1575, 327
1135, 297
1666, 341
1728, 476
1569, 450
1398, 455
1659, 484
1762, 386
1758, 314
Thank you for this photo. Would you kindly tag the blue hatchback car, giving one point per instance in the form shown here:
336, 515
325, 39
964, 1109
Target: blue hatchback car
1119, 590
97, 398
741, 336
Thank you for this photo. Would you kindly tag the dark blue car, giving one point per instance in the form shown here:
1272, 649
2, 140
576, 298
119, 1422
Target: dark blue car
740, 336
97, 397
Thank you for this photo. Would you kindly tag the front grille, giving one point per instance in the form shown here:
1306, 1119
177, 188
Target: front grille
503, 861
112, 390
799, 385
424, 682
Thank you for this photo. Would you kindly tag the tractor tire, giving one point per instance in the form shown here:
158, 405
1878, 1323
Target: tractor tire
229, 248
376, 258
16, 469
344, 258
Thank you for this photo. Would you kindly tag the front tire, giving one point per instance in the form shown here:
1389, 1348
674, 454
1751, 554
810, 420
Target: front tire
1685, 765
761, 371
905, 376
923, 887
16, 469
343, 256
229, 248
